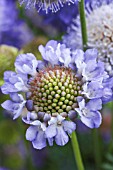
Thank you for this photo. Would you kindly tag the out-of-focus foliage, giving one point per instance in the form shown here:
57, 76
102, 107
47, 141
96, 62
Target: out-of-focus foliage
7, 58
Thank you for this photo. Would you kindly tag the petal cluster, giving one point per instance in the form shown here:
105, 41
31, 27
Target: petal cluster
50, 95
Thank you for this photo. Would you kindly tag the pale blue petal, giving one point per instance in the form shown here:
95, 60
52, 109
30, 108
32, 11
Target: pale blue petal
94, 121
94, 104
31, 133
69, 126
40, 141
61, 137
51, 131
91, 54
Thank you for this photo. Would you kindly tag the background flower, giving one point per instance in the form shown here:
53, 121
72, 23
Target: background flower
13, 31
45, 6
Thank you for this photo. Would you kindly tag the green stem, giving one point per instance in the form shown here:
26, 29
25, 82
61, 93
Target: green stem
111, 104
110, 148
97, 152
76, 151
83, 24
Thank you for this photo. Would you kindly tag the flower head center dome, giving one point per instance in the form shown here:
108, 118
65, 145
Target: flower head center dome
54, 90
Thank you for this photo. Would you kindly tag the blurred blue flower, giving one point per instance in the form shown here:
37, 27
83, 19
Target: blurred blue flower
1, 168
50, 95
99, 37
99, 31
62, 18
13, 31
7, 21
53, 6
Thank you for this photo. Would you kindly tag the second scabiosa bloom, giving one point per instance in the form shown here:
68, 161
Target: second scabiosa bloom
51, 94
99, 19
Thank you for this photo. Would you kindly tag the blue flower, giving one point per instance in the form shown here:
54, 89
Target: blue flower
62, 18
5, 20
13, 31
65, 86
53, 6
99, 31
99, 37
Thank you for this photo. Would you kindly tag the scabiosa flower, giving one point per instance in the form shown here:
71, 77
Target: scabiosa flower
99, 19
62, 18
13, 31
53, 6
56, 92
5, 21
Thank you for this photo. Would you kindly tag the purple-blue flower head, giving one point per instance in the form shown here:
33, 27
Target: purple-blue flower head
99, 37
6, 20
99, 19
50, 95
62, 18
46, 6
13, 31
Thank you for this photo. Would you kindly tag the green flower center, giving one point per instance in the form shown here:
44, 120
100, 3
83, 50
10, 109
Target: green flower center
54, 90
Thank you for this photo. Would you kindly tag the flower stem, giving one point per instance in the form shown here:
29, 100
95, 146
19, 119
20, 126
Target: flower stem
76, 151
97, 151
111, 104
83, 24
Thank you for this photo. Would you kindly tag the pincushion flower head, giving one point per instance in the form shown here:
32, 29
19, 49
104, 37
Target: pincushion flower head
99, 19
51, 94
46, 6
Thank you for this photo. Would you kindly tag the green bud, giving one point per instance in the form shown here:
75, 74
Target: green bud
44, 94
54, 83
67, 90
60, 111
52, 93
47, 91
57, 107
68, 108
50, 97
57, 96
51, 89
63, 88
60, 103
58, 91
46, 86
63, 106
50, 84
55, 100
70, 86
56, 88
66, 101
68, 96
62, 98
50, 107
49, 101
60, 84
54, 104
